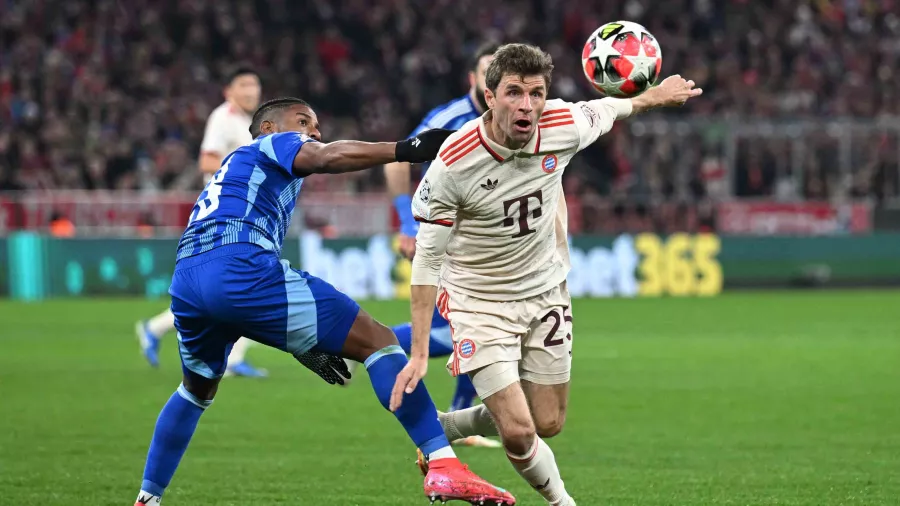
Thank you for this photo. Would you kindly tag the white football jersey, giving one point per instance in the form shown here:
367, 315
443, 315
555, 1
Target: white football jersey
227, 129
505, 209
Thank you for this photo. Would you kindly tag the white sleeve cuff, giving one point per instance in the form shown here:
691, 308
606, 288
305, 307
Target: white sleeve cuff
425, 271
431, 247
622, 106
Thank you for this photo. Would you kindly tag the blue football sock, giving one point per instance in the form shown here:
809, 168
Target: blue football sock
174, 428
417, 414
436, 346
465, 393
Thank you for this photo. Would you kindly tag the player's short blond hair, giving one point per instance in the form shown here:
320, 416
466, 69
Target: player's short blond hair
518, 60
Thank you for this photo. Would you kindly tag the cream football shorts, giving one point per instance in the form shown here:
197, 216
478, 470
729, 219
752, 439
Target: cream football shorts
536, 333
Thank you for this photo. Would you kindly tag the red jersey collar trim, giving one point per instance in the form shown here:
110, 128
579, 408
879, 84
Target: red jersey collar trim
501, 153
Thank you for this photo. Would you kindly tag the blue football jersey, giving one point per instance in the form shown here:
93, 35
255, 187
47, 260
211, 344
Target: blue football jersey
452, 115
250, 199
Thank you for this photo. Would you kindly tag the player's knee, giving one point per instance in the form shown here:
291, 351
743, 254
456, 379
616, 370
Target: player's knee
518, 438
548, 427
202, 388
367, 336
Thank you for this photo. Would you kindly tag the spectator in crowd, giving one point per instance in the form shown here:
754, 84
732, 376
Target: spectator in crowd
96, 96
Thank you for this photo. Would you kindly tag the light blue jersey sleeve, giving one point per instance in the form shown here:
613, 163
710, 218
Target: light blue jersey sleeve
283, 147
422, 127
453, 124
451, 115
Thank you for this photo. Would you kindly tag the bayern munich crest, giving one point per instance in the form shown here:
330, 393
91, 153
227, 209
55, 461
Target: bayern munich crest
549, 163
466, 348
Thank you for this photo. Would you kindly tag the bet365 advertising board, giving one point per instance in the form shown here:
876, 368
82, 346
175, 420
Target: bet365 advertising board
650, 265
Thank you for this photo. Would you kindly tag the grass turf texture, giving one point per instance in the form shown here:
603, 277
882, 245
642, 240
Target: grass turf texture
747, 399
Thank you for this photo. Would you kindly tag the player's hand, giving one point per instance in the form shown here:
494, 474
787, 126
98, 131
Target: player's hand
423, 147
674, 91
408, 380
407, 246
330, 368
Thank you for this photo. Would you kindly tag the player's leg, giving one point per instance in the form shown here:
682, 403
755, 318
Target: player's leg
441, 345
547, 361
174, 429
512, 416
485, 333
342, 328
149, 332
203, 346
489, 350
375, 345
296, 312
238, 364
545, 371
548, 405
464, 395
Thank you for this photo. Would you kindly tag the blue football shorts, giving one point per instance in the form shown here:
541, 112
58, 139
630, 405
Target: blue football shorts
244, 290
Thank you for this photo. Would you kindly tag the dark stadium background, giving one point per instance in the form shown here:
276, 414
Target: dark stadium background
688, 388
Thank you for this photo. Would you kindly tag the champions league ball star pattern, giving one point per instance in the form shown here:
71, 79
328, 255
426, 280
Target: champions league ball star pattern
621, 59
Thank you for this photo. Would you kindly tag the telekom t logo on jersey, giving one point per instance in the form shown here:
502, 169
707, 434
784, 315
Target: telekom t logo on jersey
523, 212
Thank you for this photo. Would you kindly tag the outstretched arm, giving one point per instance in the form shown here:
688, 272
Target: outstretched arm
349, 156
674, 91
342, 156
596, 117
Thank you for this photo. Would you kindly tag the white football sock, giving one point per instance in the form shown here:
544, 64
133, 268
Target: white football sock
474, 421
239, 351
538, 467
444, 453
147, 498
162, 323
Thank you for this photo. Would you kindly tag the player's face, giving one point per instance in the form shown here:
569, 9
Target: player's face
245, 91
477, 80
300, 118
517, 105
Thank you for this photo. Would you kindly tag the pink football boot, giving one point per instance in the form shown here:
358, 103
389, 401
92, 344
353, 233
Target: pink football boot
449, 479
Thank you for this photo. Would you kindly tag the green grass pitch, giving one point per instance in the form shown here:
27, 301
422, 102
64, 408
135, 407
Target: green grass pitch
777, 398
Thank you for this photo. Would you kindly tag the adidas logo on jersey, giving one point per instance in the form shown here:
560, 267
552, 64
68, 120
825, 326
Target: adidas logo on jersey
490, 185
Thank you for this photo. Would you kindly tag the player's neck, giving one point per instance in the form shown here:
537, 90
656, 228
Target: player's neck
496, 134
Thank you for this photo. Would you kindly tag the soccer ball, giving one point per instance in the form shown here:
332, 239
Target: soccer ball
621, 59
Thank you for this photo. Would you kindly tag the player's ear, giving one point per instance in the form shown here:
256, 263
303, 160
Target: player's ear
267, 127
489, 98
472, 79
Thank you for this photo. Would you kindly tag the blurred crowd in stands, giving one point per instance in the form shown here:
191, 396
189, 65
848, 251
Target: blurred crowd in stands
103, 94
